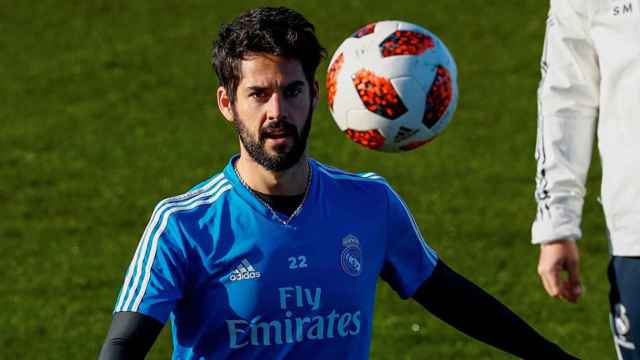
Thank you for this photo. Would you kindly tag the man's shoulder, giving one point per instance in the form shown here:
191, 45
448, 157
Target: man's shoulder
205, 193
360, 185
339, 175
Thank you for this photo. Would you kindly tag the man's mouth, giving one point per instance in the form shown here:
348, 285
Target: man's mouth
277, 134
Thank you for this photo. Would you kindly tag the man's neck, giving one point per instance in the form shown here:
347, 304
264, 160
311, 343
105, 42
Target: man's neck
292, 181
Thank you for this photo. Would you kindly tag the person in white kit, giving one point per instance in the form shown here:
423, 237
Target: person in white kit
591, 82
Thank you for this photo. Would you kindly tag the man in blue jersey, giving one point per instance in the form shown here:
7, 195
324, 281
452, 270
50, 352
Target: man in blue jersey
278, 256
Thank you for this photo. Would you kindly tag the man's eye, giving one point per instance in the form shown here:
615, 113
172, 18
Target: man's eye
259, 95
292, 92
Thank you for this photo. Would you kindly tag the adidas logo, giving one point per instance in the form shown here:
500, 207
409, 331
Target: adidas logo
244, 271
404, 133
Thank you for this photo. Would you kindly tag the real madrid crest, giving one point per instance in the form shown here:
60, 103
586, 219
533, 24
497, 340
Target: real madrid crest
351, 255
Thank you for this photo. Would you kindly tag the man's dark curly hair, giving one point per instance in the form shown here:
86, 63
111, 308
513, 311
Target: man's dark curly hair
274, 31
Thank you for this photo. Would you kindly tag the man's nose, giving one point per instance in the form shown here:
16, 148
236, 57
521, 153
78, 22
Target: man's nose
276, 109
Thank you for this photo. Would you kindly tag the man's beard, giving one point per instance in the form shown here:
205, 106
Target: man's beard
281, 160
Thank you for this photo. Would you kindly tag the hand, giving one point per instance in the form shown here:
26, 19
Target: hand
557, 257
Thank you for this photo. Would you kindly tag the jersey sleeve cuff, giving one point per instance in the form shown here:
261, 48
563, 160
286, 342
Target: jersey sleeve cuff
160, 318
544, 232
410, 291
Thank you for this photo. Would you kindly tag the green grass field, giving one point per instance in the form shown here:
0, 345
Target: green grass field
108, 107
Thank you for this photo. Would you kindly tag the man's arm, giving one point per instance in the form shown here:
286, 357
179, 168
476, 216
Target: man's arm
153, 284
468, 308
130, 336
568, 100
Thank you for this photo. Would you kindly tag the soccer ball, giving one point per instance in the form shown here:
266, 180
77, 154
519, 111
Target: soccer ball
392, 86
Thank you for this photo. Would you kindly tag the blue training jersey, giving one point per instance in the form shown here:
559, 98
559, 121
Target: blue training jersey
239, 281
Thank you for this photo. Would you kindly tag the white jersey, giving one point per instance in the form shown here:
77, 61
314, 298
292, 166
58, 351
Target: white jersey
590, 80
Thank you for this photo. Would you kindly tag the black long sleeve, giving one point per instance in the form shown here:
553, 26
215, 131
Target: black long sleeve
468, 308
130, 337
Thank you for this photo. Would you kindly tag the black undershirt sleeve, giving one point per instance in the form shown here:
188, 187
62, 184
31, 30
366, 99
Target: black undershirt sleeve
468, 308
130, 336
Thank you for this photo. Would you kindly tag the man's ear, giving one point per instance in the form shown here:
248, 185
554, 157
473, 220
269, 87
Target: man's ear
224, 103
316, 94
